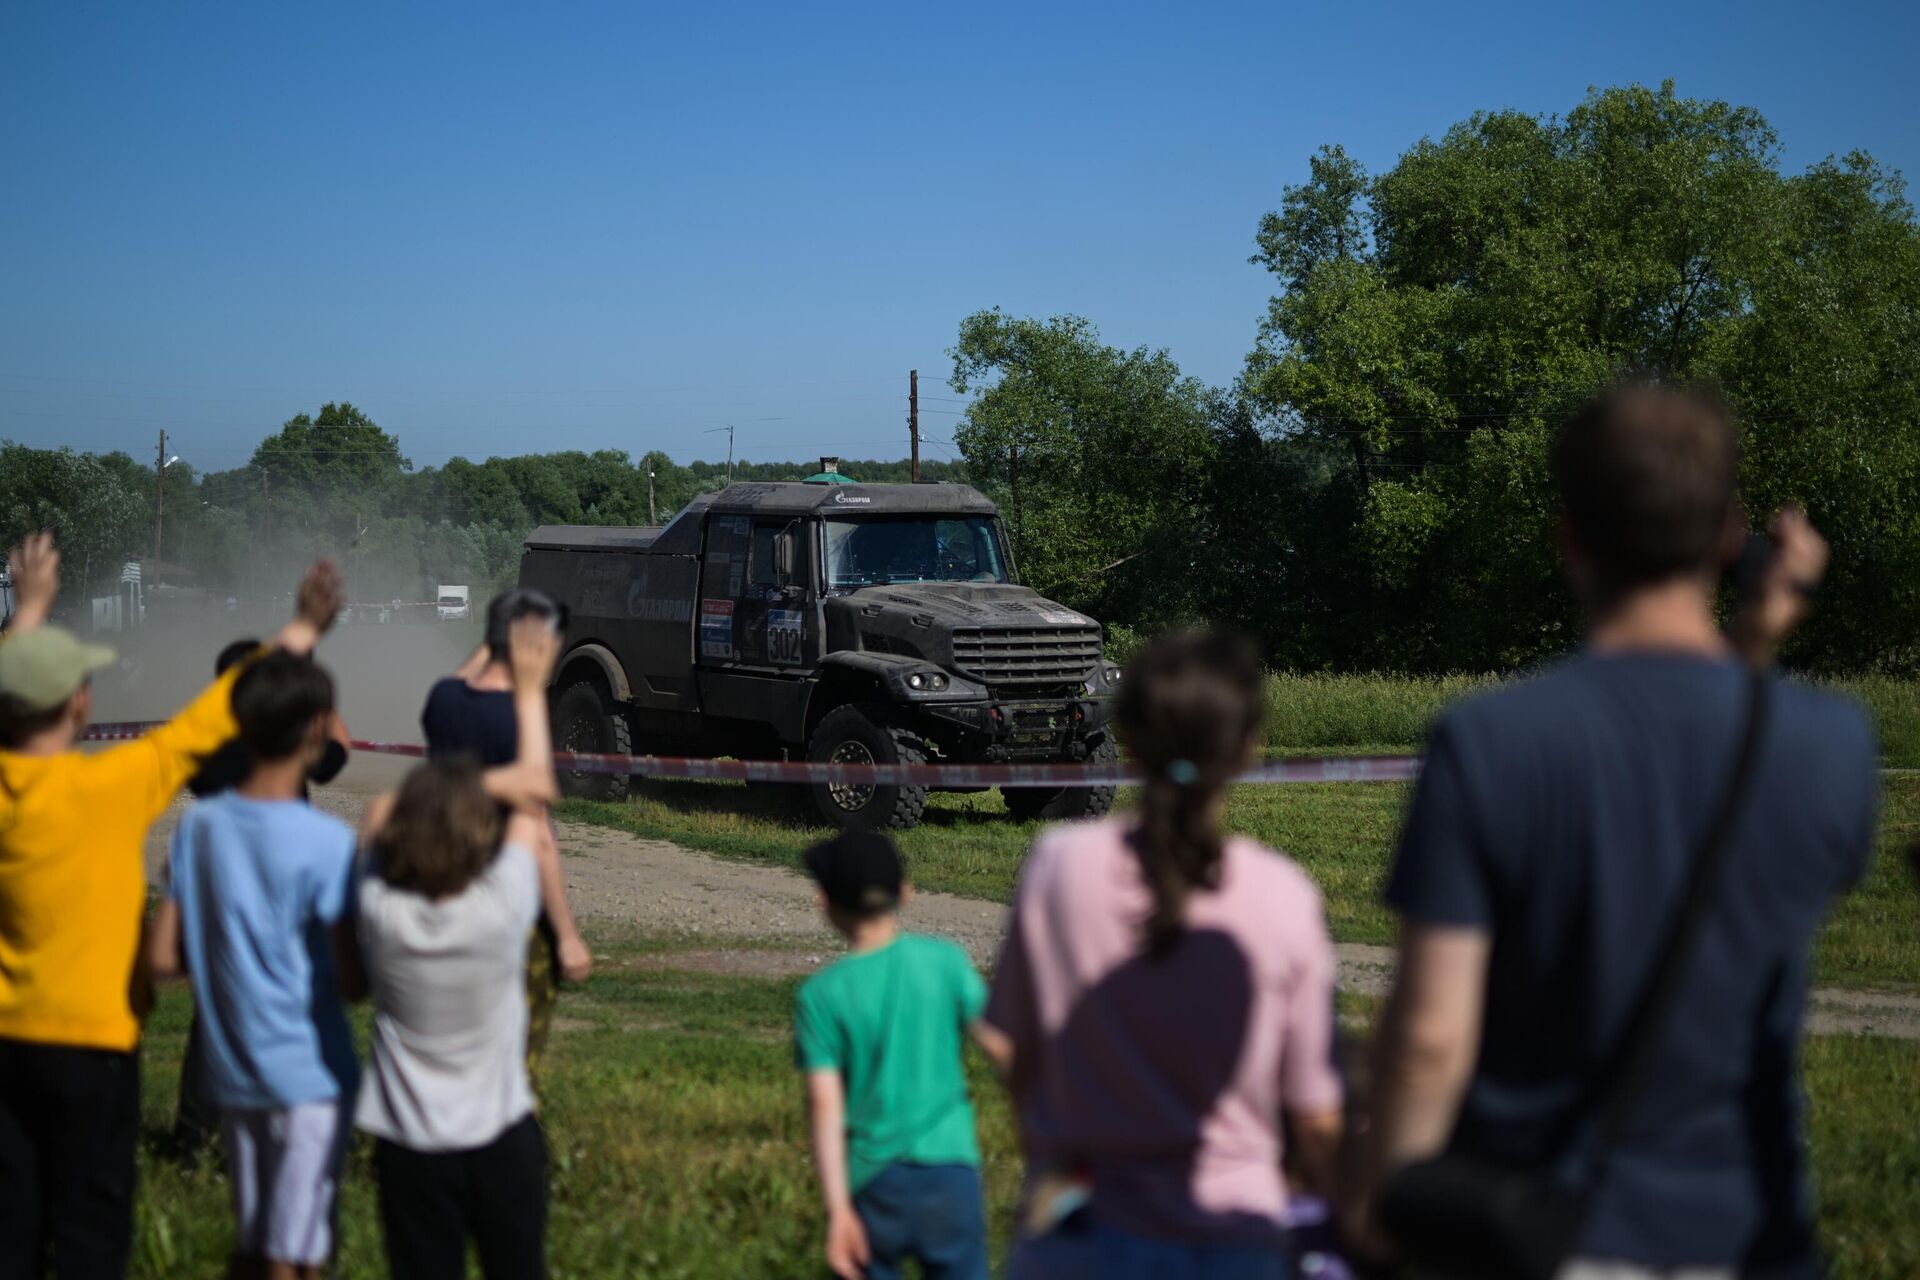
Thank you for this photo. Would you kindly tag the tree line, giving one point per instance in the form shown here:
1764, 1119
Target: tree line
335, 483
1370, 493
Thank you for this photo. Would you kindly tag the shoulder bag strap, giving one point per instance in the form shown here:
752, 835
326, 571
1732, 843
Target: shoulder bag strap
1626, 1081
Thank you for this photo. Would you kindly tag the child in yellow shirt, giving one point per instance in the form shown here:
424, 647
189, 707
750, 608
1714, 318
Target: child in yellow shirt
72, 894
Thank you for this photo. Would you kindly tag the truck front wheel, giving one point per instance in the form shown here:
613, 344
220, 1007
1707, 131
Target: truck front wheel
1065, 803
862, 735
584, 722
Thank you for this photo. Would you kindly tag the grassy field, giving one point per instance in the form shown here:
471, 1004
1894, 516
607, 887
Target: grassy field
1341, 833
680, 1150
1388, 713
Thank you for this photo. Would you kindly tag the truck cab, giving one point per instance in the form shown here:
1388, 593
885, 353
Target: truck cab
832, 622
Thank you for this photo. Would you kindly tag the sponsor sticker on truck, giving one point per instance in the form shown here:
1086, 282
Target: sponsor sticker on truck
716, 628
783, 636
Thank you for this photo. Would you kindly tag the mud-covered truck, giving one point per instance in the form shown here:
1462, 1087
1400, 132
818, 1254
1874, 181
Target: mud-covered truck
853, 623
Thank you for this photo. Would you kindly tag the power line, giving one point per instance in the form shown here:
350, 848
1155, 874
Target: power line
308, 393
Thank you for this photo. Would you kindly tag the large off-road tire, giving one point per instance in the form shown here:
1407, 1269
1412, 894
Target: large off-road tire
866, 735
1066, 803
585, 720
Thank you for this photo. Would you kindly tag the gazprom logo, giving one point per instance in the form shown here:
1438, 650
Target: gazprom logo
845, 499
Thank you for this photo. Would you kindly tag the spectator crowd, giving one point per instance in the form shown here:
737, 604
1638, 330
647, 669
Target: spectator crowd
1607, 883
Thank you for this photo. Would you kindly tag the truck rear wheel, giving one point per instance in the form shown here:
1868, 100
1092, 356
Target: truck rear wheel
862, 735
1065, 803
584, 722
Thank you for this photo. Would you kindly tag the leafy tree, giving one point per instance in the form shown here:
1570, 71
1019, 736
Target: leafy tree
480, 493
1436, 321
100, 519
1097, 455
340, 455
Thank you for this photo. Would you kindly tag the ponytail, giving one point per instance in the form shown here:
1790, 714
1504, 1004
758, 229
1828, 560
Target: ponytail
1190, 708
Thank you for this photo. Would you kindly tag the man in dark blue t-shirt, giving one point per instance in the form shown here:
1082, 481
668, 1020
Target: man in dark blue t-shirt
1548, 847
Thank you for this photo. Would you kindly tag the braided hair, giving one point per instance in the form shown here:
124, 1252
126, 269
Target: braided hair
1189, 714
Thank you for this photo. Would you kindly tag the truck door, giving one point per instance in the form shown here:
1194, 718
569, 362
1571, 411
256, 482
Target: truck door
774, 623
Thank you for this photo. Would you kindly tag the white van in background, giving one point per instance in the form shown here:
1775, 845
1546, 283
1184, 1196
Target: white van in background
453, 602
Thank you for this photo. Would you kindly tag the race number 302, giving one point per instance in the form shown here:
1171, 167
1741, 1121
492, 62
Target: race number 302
783, 636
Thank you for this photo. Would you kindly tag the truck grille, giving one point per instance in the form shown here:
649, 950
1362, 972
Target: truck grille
1027, 655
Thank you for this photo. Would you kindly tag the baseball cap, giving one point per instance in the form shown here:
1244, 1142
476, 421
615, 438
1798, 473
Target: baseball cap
44, 667
857, 870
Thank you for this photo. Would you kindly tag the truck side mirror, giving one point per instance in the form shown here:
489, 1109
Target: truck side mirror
783, 558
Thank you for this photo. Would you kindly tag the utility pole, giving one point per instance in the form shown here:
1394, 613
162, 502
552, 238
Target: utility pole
653, 515
159, 492
729, 430
1019, 526
913, 418
259, 543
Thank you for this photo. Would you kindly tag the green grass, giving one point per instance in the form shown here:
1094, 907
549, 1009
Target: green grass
1354, 714
1341, 833
679, 1145
1379, 713
675, 1122
1895, 704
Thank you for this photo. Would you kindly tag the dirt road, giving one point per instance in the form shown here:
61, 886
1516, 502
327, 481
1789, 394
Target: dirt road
749, 918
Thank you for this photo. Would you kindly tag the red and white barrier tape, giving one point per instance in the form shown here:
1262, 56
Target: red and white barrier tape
118, 731
1313, 769
1358, 769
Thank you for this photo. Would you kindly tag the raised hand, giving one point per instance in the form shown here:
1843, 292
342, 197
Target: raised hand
1783, 594
322, 594
34, 566
528, 783
532, 647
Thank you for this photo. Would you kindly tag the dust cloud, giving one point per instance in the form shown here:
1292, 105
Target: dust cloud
382, 670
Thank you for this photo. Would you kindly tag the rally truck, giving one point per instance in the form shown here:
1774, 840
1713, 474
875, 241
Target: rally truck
840, 622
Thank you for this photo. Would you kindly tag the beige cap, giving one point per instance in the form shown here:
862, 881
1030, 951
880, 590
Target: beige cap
47, 665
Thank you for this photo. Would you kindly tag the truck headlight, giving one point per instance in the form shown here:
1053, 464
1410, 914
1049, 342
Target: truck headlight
1113, 675
933, 680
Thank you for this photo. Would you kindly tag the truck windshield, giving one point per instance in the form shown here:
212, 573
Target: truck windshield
865, 553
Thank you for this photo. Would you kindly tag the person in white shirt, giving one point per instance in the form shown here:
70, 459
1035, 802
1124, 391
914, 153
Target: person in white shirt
445, 902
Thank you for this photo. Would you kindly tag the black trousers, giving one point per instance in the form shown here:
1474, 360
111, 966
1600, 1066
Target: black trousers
433, 1202
196, 1121
69, 1121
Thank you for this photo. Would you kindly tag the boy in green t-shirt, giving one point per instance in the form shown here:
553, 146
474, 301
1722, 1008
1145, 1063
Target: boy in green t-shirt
880, 1035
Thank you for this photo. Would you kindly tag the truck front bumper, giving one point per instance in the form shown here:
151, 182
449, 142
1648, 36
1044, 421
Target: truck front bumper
1048, 729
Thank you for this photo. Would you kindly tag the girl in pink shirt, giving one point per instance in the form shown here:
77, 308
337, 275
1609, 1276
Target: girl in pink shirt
1168, 992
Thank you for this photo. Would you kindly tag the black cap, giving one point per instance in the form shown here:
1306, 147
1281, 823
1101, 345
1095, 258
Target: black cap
857, 870
509, 607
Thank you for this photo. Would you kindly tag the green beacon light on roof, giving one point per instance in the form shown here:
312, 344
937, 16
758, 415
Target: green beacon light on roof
829, 473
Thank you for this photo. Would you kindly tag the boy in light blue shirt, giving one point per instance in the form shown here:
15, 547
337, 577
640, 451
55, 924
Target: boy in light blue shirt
256, 897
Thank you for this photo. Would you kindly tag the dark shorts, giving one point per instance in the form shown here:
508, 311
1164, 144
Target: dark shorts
933, 1213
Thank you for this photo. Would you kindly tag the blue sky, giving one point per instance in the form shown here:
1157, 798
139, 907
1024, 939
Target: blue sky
513, 228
